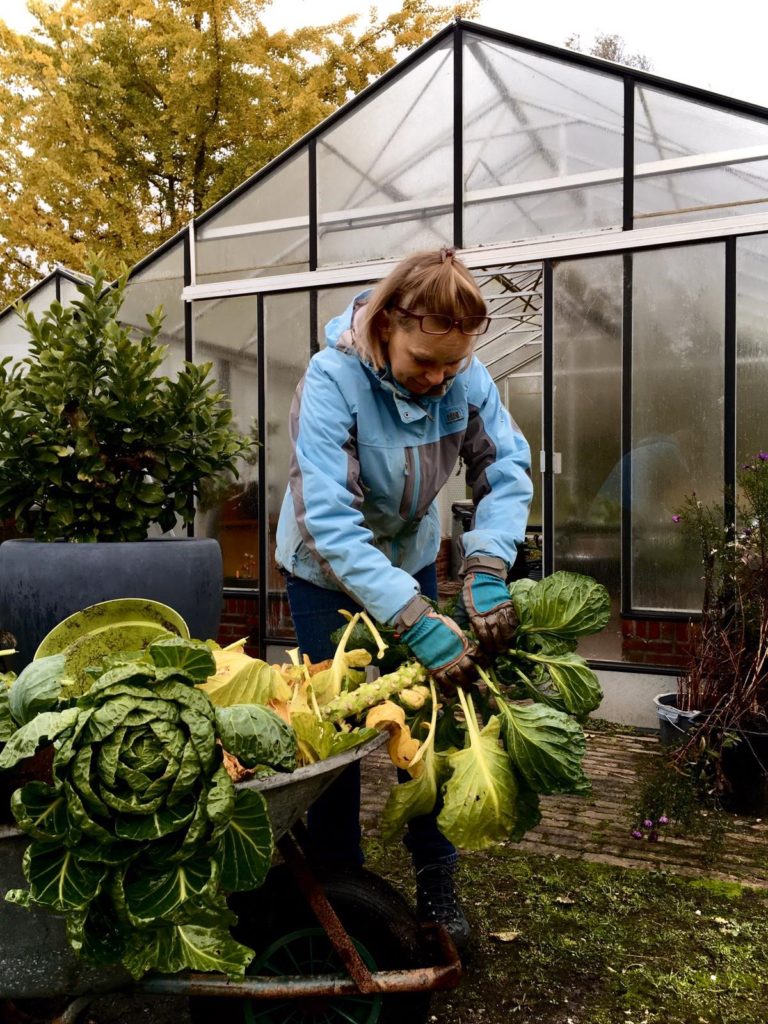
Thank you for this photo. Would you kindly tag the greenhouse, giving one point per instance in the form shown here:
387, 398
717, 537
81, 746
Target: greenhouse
618, 225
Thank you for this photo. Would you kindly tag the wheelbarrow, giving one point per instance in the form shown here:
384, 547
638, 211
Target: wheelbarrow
331, 947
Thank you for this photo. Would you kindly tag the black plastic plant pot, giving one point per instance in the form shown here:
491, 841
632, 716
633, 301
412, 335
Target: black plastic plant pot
745, 768
43, 583
674, 723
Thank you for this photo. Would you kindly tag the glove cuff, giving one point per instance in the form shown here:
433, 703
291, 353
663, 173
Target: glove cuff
484, 563
410, 614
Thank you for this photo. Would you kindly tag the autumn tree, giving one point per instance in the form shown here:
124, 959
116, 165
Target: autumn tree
610, 46
122, 119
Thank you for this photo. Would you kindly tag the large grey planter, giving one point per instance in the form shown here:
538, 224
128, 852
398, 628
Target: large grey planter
42, 583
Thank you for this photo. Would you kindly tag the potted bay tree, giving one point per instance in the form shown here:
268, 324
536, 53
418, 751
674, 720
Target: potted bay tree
98, 447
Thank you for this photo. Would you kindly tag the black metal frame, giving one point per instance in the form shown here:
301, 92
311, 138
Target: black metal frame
56, 276
547, 432
626, 432
631, 78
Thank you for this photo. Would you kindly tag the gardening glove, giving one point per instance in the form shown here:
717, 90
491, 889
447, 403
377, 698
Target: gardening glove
485, 602
438, 643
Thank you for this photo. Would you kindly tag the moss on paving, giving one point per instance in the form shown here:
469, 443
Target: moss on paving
563, 941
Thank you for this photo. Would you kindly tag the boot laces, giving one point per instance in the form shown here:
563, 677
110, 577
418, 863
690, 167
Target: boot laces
436, 894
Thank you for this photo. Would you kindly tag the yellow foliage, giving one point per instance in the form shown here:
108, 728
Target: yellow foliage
240, 679
122, 119
402, 747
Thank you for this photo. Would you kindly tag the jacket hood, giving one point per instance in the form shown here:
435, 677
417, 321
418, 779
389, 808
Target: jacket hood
339, 332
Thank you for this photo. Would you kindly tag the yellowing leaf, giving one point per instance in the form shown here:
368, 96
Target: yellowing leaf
418, 796
480, 796
240, 679
390, 716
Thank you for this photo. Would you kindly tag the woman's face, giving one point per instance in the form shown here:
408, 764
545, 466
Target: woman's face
424, 363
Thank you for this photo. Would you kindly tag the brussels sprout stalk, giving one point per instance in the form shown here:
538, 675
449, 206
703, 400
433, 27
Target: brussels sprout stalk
355, 702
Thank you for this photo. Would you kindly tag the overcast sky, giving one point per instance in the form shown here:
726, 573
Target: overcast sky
719, 48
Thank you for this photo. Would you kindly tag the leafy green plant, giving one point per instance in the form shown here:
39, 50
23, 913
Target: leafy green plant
95, 443
681, 800
141, 834
492, 751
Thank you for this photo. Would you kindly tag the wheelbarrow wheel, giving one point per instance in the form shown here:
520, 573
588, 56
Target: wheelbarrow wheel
277, 922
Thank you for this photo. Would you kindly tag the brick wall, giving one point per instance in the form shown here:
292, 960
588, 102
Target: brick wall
655, 642
239, 618
443, 561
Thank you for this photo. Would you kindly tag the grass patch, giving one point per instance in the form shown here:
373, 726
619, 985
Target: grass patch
562, 941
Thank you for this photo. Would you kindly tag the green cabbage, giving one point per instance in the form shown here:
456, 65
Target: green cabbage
142, 834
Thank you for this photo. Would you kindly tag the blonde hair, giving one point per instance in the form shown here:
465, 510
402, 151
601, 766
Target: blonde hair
434, 281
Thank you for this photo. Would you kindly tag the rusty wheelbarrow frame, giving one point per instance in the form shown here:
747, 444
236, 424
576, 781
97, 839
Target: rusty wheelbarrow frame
288, 796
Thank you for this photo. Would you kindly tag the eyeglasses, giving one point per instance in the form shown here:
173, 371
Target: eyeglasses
441, 323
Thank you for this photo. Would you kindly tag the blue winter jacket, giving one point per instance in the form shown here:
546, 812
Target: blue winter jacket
369, 458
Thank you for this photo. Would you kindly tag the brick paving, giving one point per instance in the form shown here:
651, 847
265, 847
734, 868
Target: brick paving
597, 828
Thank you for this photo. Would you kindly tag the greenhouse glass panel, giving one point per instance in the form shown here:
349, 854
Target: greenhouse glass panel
751, 347
677, 414
695, 161
14, 340
587, 369
225, 333
68, 291
287, 332
385, 171
160, 283
333, 301
263, 231
543, 145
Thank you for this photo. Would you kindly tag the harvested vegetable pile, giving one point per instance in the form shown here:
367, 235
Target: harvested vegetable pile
142, 832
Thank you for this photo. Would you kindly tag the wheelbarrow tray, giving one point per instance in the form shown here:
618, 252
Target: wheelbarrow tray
37, 962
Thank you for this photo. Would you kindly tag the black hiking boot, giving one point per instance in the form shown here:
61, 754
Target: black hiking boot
436, 900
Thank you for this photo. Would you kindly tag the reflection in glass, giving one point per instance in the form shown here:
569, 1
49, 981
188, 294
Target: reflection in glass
160, 283
225, 333
542, 145
751, 347
695, 161
587, 362
385, 172
677, 414
263, 231
286, 345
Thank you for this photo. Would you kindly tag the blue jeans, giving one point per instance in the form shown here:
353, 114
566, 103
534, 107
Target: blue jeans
334, 819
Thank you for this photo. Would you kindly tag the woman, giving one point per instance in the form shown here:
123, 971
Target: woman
378, 424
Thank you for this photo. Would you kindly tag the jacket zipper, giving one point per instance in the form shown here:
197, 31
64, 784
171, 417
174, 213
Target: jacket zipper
416, 469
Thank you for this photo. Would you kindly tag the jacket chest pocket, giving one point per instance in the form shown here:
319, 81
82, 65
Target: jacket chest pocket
409, 500
386, 478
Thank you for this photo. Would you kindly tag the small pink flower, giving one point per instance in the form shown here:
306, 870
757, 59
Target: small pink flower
763, 456
647, 823
676, 519
637, 834
663, 820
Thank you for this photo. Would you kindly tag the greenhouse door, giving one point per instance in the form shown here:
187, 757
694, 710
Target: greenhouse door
512, 351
